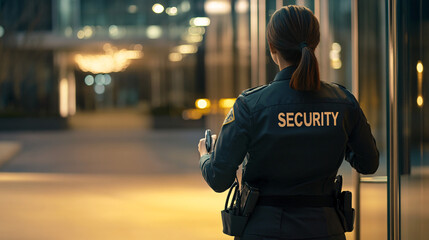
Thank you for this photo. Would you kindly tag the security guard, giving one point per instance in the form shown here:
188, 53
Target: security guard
293, 134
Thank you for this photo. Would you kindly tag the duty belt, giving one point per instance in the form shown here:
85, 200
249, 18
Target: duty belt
298, 201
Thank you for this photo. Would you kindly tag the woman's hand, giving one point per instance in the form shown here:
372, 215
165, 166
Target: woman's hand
202, 145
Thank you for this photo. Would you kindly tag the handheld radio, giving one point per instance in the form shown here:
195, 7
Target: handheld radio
208, 136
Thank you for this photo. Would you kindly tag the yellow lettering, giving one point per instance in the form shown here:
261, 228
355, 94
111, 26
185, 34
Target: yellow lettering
289, 119
335, 117
316, 118
282, 122
298, 124
327, 118
307, 124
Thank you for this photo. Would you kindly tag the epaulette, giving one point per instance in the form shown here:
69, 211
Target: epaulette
339, 85
253, 90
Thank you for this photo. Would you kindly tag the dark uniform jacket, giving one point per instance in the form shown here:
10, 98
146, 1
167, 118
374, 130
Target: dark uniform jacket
293, 143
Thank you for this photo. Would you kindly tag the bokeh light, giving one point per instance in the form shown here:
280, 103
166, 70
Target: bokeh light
171, 11
154, 32
89, 80
99, 89
202, 103
200, 21
175, 57
157, 8
132, 9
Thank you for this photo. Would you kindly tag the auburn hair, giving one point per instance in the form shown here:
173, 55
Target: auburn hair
294, 32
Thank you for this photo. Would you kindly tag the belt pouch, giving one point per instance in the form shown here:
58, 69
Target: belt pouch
344, 206
232, 221
233, 225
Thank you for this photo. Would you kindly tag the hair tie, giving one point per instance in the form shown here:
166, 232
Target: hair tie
302, 45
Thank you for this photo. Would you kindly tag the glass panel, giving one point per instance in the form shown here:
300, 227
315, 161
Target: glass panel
412, 119
372, 98
335, 62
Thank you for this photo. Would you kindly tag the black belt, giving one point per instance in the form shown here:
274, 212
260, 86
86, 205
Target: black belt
298, 201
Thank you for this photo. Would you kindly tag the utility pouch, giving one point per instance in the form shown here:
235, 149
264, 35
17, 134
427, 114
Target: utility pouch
344, 205
236, 215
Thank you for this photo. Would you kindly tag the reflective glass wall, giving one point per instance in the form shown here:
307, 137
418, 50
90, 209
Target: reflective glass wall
362, 71
413, 115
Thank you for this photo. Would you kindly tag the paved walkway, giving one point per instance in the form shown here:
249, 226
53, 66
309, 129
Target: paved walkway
123, 184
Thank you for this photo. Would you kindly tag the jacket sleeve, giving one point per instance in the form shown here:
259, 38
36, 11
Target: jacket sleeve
219, 167
361, 150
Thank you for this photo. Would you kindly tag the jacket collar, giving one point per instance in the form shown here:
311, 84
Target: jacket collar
285, 74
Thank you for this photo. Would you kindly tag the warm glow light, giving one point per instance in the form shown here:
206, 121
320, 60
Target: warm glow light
193, 30
192, 114
335, 56
226, 102
138, 47
132, 9
157, 8
336, 64
80, 34
242, 6
217, 7
64, 96
419, 67
187, 49
87, 31
171, 11
336, 47
112, 61
175, 57
420, 101
114, 31
200, 21
154, 32
193, 38
202, 103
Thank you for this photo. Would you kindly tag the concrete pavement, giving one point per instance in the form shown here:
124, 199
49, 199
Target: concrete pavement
81, 206
122, 184
8, 149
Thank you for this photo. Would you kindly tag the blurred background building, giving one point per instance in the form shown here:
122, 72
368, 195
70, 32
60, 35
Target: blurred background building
152, 64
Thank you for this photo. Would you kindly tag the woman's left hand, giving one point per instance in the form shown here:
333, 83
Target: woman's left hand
202, 145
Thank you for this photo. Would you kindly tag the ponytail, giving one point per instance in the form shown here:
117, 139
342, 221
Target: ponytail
294, 32
306, 76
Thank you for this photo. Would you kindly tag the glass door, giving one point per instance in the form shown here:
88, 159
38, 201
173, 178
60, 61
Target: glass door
413, 115
352, 52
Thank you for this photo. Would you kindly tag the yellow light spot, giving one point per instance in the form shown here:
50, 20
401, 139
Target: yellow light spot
112, 61
419, 67
336, 64
202, 103
80, 34
175, 57
64, 96
336, 47
420, 101
154, 32
226, 103
157, 8
200, 21
187, 49
171, 11
87, 31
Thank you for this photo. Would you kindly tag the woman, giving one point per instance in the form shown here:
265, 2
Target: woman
294, 133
